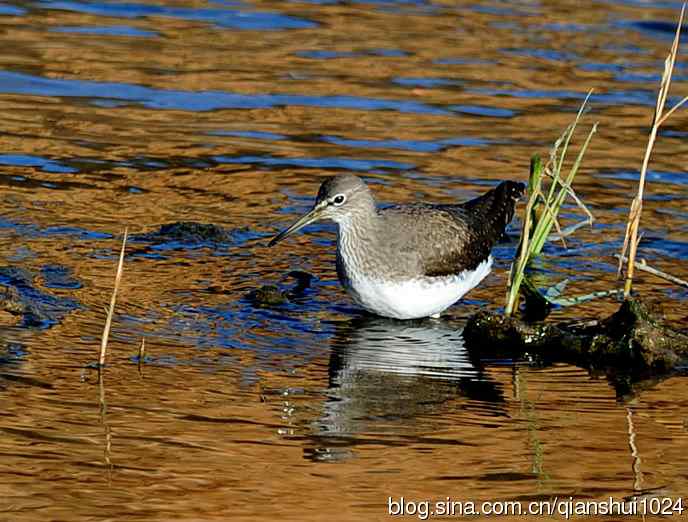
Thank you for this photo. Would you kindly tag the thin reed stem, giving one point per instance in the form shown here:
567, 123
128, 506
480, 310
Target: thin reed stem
113, 300
641, 264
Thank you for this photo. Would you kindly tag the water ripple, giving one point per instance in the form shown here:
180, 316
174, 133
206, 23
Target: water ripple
21, 83
355, 164
11, 10
411, 145
27, 160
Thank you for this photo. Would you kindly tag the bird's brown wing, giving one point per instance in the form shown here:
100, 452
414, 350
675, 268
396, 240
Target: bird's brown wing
440, 240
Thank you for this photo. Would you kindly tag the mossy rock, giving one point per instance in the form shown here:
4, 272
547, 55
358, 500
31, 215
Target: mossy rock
271, 295
634, 337
24, 304
187, 233
633, 340
11, 301
193, 232
266, 296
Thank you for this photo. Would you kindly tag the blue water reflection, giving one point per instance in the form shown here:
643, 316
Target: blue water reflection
21, 83
106, 30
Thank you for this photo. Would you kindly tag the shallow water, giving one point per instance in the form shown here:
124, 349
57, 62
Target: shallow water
223, 112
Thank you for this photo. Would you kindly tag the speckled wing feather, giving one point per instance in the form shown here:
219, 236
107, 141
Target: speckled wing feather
458, 237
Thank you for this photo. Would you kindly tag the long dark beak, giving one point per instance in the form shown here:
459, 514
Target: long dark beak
306, 219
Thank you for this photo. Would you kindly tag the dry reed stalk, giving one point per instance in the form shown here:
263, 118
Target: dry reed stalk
631, 236
113, 300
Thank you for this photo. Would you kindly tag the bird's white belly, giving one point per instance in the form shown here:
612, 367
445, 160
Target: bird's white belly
415, 298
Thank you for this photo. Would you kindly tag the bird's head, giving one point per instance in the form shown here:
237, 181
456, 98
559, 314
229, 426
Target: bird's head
339, 199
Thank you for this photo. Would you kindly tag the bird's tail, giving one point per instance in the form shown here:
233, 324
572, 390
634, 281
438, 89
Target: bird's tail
493, 211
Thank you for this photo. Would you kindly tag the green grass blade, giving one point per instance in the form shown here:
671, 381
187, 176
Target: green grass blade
542, 232
538, 222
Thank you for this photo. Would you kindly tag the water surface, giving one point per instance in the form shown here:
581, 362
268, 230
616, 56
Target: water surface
143, 114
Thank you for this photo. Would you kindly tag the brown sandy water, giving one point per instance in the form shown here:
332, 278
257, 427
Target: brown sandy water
143, 114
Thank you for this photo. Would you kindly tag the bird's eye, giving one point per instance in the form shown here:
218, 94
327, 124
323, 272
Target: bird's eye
339, 199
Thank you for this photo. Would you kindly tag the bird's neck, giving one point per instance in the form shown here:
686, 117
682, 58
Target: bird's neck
359, 221
357, 237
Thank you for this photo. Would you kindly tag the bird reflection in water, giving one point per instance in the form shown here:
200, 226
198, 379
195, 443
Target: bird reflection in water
391, 378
